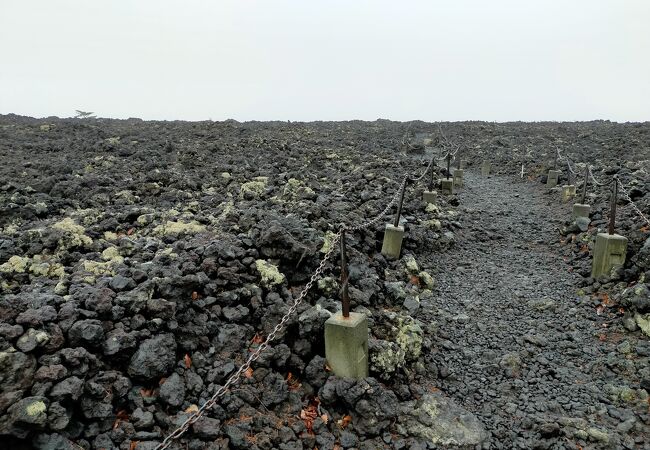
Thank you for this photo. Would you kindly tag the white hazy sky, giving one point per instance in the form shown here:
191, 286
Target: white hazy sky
492, 60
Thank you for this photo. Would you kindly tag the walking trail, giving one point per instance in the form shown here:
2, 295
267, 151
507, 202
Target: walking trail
517, 345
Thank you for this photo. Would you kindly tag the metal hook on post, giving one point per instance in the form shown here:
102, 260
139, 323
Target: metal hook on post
612, 212
345, 298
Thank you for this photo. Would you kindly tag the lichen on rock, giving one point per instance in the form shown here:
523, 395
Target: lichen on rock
73, 234
270, 274
253, 189
177, 228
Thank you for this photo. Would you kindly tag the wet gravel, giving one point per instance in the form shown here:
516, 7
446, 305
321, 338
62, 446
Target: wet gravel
516, 342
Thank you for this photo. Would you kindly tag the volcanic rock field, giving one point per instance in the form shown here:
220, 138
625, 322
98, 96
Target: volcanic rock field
142, 263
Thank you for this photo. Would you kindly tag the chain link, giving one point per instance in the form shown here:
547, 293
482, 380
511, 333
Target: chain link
591, 175
626, 194
178, 432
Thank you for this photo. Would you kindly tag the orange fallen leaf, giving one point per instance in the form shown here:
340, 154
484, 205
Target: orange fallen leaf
188, 361
345, 421
192, 409
257, 339
162, 380
133, 445
249, 372
195, 295
325, 418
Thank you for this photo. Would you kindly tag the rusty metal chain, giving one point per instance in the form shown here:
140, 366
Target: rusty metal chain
178, 432
596, 182
636, 209
384, 212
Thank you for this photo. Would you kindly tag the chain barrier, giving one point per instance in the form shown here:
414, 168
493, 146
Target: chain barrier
636, 209
596, 182
178, 432
194, 417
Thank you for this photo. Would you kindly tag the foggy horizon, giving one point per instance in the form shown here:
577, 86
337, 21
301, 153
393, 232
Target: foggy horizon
503, 61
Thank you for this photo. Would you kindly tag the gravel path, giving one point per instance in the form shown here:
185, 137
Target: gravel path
518, 346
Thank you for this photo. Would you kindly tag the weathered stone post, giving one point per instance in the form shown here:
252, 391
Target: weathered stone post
485, 168
458, 174
346, 333
610, 248
553, 178
568, 192
582, 209
394, 234
430, 196
447, 184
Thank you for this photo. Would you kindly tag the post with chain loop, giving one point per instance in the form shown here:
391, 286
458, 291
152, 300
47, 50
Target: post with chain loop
582, 210
612, 210
347, 353
346, 333
399, 205
394, 233
447, 184
554, 174
429, 195
345, 298
458, 172
610, 248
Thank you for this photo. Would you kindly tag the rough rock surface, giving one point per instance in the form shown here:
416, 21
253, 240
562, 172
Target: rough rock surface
142, 262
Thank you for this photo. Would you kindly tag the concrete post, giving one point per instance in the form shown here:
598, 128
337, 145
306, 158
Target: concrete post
580, 210
553, 178
447, 186
609, 252
485, 168
568, 192
392, 245
430, 196
346, 345
458, 177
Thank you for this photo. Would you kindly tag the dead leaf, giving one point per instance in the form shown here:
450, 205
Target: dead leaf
257, 339
192, 409
345, 421
121, 415
325, 418
195, 295
130, 231
133, 445
188, 361
249, 372
162, 380
146, 392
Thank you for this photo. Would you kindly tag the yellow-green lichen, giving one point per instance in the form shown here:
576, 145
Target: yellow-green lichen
253, 189
327, 244
74, 234
176, 228
295, 189
15, 264
43, 268
269, 273
36, 408
411, 265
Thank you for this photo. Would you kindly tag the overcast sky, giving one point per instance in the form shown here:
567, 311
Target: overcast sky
492, 60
